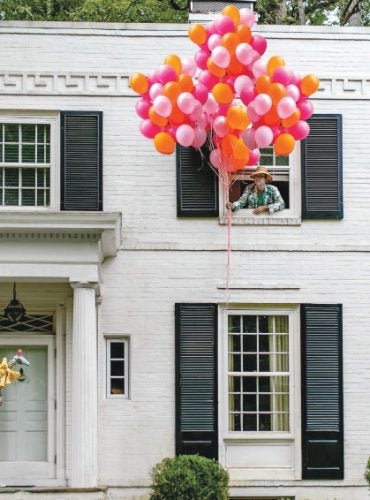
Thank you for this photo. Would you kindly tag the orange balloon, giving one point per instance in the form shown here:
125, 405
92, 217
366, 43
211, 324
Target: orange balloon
233, 13
139, 83
273, 63
214, 69
222, 93
161, 121
292, 119
263, 84
276, 92
227, 144
241, 151
244, 33
309, 84
177, 116
284, 144
172, 90
239, 164
271, 117
237, 118
197, 34
164, 143
186, 83
175, 62
230, 41
235, 67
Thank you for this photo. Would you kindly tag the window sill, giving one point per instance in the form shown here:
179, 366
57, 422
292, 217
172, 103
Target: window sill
256, 437
246, 218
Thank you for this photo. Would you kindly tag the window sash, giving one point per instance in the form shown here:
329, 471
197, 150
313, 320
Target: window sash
124, 360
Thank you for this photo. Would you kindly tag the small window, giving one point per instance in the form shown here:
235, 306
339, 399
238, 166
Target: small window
258, 373
117, 368
25, 163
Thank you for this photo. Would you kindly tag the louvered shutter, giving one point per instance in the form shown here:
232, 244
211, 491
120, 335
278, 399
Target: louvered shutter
322, 190
322, 390
197, 184
81, 161
196, 379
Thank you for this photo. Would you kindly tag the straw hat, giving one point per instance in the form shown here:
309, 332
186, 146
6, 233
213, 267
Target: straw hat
264, 171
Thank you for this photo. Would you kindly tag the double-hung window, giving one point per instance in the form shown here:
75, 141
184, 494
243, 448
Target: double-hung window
117, 367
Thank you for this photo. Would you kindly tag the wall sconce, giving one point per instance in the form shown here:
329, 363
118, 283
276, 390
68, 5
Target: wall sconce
14, 311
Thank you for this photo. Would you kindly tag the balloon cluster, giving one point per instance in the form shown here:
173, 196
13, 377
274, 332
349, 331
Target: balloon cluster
226, 94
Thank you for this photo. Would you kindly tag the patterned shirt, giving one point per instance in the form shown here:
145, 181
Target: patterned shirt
249, 198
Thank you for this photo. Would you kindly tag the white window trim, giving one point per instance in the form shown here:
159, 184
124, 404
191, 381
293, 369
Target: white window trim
125, 340
288, 216
47, 118
266, 437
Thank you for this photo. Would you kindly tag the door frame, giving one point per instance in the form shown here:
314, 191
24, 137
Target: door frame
49, 341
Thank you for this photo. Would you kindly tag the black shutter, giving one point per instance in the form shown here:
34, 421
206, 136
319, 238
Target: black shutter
322, 392
197, 184
196, 379
81, 161
322, 183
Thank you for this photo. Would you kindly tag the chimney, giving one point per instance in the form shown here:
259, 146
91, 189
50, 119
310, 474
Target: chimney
206, 10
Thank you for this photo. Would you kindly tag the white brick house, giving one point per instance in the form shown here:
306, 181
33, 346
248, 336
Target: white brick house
99, 268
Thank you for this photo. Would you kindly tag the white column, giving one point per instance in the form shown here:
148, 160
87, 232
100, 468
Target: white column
84, 459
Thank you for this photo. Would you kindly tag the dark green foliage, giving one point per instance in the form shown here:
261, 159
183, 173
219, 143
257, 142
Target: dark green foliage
367, 472
189, 477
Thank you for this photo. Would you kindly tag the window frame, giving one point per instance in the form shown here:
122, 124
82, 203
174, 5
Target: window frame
125, 341
39, 118
288, 216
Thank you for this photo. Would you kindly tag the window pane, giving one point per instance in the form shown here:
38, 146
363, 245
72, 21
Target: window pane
235, 402
47, 154
264, 402
234, 421
234, 384
234, 363
264, 363
249, 422
1, 152
28, 153
249, 324
40, 197
282, 161
282, 324
249, 343
234, 343
28, 177
264, 384
28, 133
117, 368
11, 197
40, 153
40, 177
280, 384
117, 350
250, 402
264, 325
281, 363
234, 324
282, 343
11, 132
28, 197
249, 384
47, 197
264, 422
11, 176
11, 153
117, 386
249, 362
264, 342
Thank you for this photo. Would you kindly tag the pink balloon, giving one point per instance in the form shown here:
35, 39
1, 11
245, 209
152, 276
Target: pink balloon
211, 28
207, 79
220, 127
211, 105
244, 53
230, 80
293, 92
215, 158
214, 41
252, 113
162, 105
249, 139
262, 103
155, 90
200, 137
296, 79
153, 78
200, 92
259, 43
222, 109
201, 58
247, 95
185, 135
300, 130
149, 129
189, 66
172, 130
142, 107
285, 107
203, 121
259, 68
221, 57
241, 82
254, 157
186, 102
276, 131
263, 136
306, 109
282, 75
197, 111
247, 17
224, 24
166, 74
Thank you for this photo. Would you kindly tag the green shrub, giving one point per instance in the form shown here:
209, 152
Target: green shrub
189, 477
367, 472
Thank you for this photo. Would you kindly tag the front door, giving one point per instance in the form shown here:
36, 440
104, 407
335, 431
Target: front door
26, 418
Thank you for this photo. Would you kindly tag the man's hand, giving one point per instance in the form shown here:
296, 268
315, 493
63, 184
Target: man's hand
261, 210
230, 206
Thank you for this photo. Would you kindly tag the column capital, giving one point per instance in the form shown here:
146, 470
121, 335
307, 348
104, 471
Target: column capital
84, 284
